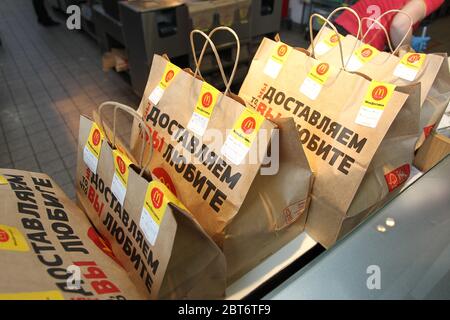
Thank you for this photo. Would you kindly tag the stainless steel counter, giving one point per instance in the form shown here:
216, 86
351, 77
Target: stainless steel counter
401, 252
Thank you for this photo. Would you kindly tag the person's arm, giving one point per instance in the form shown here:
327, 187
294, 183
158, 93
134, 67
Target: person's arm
417, 10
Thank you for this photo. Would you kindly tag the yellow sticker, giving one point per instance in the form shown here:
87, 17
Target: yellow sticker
320, 72
361, 56
121, 165
207, 100
3, 180
375, 101
332, 39
11, 239
366, 52
44, 295
243, 133
91, 152
280, 53
204, 107
157, 197
95, 139
413, 60
247, 126
313, 83
120, 178
378, 94
409, 65
170, 71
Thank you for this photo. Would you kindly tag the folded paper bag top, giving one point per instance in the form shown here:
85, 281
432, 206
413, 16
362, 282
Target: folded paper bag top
49, 249
157, 240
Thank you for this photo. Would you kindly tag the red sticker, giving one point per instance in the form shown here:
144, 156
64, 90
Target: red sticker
157, 198
169, 75
396, 177
414, 58
121, 165
207, 100
96, 137
248, 125
282, 50
427, 130
4, 237
334, 38
322, 68
367, 52
379, 92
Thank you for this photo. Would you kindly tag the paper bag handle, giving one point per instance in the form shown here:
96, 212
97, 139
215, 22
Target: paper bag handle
387, 35
208, 40
352, 11
214, 49
137, 116
376, 21
332, 27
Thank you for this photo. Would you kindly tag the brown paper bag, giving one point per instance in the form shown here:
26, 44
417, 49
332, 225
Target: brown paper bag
165, 251
48, 248
213, 165
430, 70
435, 148
342, 119
393, 159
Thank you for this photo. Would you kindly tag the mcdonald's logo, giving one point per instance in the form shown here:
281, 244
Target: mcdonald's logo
121, 165
4, 237
379, 92
392, 180
366, 52
96, 137
102, 244
207, 99
282, 50
397, 177
164, 177
334, 38
414, 58
248, 125
169, 75
322, 68
157, 198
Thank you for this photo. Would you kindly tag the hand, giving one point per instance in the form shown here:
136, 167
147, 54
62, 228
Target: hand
419, 44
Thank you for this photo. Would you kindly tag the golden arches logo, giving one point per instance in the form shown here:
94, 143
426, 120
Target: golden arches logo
121, 165
282, 50
96, 137
207, 99
169, 75
379, 93
334, 38
248, 125
322, 68
366, 52
157, 197
4, 237
414, 58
